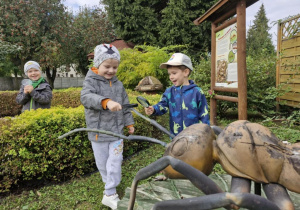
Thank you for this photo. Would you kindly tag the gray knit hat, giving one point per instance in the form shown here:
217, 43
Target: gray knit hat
31, 65
103, 52
178, 59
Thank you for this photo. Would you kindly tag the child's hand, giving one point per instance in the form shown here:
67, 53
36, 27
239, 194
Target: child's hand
113, 106
149, 110
28, 88
131, 130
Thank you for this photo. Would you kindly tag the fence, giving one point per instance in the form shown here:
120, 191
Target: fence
66, 82
10, 83
288, 67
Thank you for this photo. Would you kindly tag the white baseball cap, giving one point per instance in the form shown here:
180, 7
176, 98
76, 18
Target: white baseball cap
178, 59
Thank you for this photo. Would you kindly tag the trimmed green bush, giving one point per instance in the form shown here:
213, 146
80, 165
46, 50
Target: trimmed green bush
30, 148
143, 127
8, 104
66, 97
140, 62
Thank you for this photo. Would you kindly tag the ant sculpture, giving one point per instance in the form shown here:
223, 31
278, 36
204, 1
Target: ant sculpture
246, 151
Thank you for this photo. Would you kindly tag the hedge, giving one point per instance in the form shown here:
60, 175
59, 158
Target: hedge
65, 97
30, 148
8, 104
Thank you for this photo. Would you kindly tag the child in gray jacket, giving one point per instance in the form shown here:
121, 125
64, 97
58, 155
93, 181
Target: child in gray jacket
102, 96
36, 92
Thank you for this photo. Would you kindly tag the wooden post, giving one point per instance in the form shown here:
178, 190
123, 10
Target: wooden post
213, 101
279, 37
241, 59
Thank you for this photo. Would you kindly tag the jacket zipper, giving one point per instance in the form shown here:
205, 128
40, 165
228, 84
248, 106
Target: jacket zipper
115, 114
116, 120
181, 108
30, 107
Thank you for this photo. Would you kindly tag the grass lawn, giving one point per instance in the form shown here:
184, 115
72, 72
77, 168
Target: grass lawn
81, 193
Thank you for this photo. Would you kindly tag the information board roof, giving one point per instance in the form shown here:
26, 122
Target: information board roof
219, 9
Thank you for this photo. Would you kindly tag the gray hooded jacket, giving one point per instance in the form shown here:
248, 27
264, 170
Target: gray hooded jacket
95, 89
40, 97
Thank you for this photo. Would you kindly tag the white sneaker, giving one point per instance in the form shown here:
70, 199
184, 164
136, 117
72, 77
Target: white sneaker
111, 201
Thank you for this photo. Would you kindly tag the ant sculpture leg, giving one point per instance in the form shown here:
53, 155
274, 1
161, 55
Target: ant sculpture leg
278, 195
240, 185
194, 175
216, 198
213, 201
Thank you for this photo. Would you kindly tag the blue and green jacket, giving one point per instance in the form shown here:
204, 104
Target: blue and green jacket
186, 104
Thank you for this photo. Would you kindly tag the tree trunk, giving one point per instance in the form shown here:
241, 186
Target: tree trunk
20, 63
51, 78
16, 85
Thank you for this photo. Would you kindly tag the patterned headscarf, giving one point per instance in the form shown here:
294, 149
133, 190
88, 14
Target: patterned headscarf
103, 52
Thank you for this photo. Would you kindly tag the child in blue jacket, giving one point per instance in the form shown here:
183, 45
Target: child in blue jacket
185, 101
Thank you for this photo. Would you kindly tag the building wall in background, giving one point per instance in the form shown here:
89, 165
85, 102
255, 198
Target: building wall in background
11, 83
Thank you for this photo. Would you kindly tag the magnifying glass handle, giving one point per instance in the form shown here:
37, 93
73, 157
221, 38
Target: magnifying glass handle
129, 105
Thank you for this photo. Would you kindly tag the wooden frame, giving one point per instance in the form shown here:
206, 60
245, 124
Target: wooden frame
221, 16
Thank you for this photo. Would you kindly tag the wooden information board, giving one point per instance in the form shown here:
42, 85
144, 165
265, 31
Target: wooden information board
228, 63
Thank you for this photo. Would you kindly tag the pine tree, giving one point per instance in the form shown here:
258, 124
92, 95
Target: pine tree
161, 22
177, 25
258, 38
135, 21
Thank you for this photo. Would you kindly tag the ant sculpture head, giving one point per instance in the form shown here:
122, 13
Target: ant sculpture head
195, 146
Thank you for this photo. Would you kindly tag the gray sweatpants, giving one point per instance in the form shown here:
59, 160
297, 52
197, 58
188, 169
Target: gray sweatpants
108, 158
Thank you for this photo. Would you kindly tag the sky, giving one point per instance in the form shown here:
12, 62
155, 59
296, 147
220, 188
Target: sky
275, 10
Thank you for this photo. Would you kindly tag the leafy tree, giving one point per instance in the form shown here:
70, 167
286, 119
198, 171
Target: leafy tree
36, 26
161, 23
7, 68
90, 27
258, 37
7, 49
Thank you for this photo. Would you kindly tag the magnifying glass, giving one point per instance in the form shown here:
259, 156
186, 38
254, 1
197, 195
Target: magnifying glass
129, 105
26, 82
144, 102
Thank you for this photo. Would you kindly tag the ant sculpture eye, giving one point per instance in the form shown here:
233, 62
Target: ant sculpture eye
179, 147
